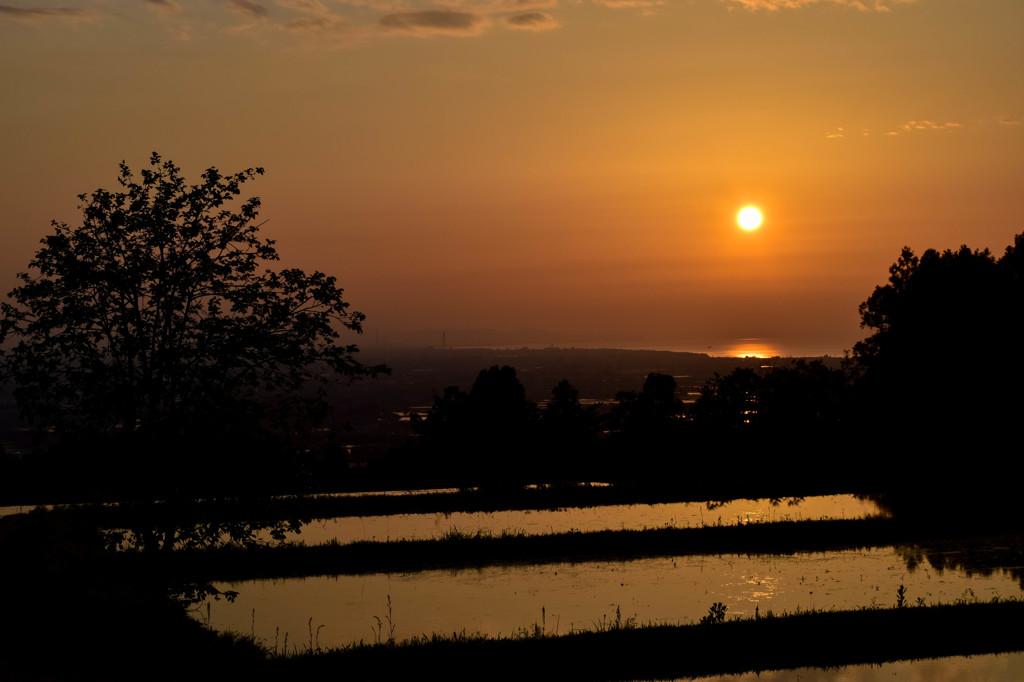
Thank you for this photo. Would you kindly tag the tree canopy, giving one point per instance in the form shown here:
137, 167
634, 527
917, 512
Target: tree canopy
158, 323
481, 436
943, 361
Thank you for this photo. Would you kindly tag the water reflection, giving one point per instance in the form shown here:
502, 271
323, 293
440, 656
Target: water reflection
414, 492
499, 601
982, 556
612, 517
16, 509
748, 348
989, 667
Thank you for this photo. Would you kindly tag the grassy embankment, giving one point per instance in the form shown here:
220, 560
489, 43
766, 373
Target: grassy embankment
457, 550
624, 651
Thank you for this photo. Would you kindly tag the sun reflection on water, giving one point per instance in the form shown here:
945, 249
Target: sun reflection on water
749, 348
760, 586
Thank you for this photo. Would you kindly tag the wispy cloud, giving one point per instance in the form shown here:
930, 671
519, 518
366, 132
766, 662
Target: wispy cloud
863, 5
314, 18
40, 14
911, 127
253, 9
174, 20
317, 24
914, 126
307, 9
922, 127
165, 5
321, 23
532, 21
619, 4
1009, 121
523, 5
434, 22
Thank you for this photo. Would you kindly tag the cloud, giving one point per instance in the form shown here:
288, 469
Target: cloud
863, 5
249, 7
521, 5
165, 5
433, 22
315, 18
836, 134
172, 18
307, 6
928, 125
1009, 121
620, 4
36, 14
916, 126
532, 21
318, 24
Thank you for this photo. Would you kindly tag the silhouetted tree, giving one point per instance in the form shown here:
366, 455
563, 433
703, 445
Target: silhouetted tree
728, 402
568, 435
485, 436
446, 418
154, 330
942, 367
798, 400
648, 429
785, 423
806, 397
655, 407
498, 398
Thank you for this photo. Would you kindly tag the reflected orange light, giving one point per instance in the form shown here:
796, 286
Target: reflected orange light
749, 348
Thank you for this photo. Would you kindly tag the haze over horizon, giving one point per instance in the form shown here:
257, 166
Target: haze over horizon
565, 166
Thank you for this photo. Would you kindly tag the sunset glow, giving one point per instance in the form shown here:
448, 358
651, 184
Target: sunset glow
482, 167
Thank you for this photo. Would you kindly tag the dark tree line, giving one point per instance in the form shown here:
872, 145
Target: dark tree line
938, 380
493, 436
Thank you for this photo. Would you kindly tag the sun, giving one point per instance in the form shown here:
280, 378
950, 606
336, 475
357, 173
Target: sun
749, 218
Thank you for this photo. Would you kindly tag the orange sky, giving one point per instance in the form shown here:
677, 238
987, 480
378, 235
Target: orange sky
571, 166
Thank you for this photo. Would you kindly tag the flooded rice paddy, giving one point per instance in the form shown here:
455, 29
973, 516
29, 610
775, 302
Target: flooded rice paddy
612, 517
562, 598
990, 667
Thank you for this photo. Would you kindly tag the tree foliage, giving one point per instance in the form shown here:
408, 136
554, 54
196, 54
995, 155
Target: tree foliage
799, 398
943, 360
650, 411
481, 437
157, 322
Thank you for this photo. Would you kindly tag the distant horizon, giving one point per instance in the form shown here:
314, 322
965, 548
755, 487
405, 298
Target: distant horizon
761, 347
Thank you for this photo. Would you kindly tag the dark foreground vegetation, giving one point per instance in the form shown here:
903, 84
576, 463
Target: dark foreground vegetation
71, 614
626, 652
